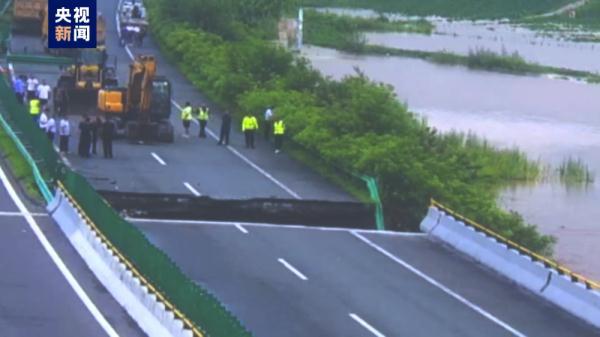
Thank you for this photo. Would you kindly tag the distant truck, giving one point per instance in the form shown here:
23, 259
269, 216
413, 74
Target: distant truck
133, 22
28, 15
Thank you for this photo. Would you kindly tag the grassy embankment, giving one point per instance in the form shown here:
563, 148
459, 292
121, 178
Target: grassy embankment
346, 34
18, 165
355, 123
470, 9
587, 17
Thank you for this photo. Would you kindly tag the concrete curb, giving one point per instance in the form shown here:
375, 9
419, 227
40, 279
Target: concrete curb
546, 282
149, 313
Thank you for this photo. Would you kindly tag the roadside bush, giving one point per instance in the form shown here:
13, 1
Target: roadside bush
354, 123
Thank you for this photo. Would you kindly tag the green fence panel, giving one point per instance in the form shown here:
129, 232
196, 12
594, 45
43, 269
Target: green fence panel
40, 152
374, 191
199, 305
357, 179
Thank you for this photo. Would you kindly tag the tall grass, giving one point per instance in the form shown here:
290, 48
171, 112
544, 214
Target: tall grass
574, 171
472, 9
510, 165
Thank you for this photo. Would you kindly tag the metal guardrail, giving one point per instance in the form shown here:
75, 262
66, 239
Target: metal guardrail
589, 284
38, 59
162, 298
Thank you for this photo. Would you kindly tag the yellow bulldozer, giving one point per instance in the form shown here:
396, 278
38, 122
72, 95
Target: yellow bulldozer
79, 83
142, 109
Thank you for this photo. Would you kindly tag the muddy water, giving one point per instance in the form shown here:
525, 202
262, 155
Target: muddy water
549, 119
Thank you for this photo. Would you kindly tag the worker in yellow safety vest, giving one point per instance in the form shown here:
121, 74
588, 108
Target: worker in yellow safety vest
278, 132
35, 109
203, 119
186, 118
249, 127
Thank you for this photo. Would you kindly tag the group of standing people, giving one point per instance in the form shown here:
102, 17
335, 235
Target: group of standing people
89, 134
29, 90
272, 125
36, 96
51, 127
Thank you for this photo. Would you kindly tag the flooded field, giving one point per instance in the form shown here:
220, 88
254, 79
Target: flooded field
550, 119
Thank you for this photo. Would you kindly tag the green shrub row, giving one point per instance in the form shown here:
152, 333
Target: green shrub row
355, 123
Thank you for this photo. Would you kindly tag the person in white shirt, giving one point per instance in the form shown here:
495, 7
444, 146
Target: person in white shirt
268, 122
43, 121
32, 84
43, 92
51, 128
64, 131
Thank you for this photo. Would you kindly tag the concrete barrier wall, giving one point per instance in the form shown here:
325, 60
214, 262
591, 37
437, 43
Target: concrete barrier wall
150, 314
572, 296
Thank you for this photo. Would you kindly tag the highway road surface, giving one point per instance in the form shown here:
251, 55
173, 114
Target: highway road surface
194, 166
45, 288
282, 281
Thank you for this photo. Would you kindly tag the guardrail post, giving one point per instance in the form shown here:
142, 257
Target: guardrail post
374, 192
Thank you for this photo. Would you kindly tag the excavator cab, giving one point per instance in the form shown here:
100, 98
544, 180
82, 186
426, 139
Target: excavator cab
144, 107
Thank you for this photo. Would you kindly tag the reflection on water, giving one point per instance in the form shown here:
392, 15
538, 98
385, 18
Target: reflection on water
462, 36
538, 49
549, 119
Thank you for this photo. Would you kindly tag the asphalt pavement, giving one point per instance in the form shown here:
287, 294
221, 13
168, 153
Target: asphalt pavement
35, 297
312, 282
196, 166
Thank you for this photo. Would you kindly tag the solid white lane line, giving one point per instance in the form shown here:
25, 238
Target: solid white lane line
159, 159
192, 189
242, 229
440, 286
83, 296
366, 325
292, 269
264, 173
16, 214
266, 225
249, 162
118, 23
129, 53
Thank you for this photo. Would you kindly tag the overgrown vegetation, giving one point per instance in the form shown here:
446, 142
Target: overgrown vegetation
472, 9
346, 34
18, 165
586, 17
575, 172
355, 123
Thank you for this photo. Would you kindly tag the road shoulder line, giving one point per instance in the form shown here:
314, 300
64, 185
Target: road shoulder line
62, 267
440, 286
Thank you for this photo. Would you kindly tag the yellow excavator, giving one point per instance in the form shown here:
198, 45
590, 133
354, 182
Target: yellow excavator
141, 110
